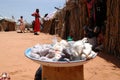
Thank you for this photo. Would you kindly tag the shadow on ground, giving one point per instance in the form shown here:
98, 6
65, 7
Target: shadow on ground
110, 58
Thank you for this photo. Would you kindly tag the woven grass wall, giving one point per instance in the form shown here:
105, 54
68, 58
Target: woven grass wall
112, 37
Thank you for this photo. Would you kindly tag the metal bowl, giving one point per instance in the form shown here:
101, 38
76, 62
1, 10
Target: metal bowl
57, 63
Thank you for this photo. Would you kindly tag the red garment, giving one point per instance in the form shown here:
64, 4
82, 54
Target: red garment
90, 8
37, 22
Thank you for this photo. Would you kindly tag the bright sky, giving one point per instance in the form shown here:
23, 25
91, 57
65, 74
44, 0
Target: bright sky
25, 8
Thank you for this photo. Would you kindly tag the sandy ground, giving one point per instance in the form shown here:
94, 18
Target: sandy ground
14, 62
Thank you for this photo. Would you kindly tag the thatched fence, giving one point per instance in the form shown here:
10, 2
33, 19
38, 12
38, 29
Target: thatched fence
74, 19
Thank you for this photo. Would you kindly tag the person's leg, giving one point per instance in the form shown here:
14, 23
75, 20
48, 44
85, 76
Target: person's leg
23, 29
38, 74
20, 27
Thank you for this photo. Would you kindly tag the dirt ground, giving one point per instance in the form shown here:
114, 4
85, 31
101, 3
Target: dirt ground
14, 62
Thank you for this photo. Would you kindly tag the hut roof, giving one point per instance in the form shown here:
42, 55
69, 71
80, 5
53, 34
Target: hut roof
51, 15
1, 18
6, 19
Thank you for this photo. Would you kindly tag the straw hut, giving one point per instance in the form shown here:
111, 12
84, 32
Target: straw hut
73, 17
68, 21
7, 25
49, 23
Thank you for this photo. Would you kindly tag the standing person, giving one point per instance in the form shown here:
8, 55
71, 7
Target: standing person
22, 26
91, 10
37, 22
